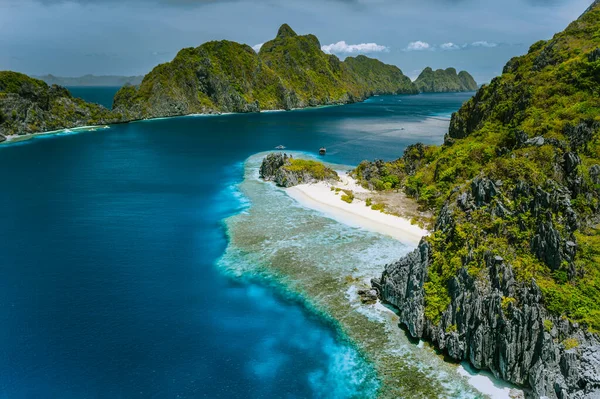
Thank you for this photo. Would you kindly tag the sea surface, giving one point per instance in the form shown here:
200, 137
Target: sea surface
102, 95
113, 279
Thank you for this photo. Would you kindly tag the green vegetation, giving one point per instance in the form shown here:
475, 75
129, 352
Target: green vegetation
315, 169
506, 301
548, 325
29, 105
532, 134
378, 207
348, 196
369, 202
290, 71
444, 80
570, 343
379, 78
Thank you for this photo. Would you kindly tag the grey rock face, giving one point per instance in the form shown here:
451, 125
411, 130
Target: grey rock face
510, 337
595, 174
41, 108
273, 169
494, 321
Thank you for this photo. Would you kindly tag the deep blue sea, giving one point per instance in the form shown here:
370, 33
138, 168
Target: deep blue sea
109, 242
102, 95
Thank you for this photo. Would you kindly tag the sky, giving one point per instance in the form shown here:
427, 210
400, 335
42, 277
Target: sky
130, 37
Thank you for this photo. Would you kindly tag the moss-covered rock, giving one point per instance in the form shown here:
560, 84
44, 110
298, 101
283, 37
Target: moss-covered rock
29, 105
514, 258
444, 81
287, 171
290, 71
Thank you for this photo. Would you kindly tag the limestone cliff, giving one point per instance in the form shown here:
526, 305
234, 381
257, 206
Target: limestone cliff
290, 71
29, 105
509, 280
444, 81
285, 171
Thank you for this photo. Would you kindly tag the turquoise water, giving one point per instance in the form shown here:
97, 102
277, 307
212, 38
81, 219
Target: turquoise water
109, 284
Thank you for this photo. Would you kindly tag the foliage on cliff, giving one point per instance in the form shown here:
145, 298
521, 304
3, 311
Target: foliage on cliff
444, 81
290, 71
519, 176
29, 105
379, 78
287, 171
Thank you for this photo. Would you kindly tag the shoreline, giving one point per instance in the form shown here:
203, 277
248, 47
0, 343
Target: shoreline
326, 262
24, 137
323, 197
18, 138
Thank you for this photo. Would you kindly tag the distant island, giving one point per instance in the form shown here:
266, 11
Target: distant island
91, 80
290, 71
29, 105
445, 81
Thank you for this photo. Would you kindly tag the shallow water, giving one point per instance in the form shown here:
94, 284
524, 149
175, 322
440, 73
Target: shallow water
329, 262
109, 283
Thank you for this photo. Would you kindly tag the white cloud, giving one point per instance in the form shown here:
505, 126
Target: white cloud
418, 46
257, 47
343, 47
483, 43
449, 46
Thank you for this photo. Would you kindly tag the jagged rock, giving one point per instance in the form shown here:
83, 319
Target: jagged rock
511, 341
275, 167
29, 105
594, 55
546, 244
270, 164
537, 141
595, 174
368, 296
581, 134
402, 286
483, 190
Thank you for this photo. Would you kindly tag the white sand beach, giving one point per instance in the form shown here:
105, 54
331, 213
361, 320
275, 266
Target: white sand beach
321, 197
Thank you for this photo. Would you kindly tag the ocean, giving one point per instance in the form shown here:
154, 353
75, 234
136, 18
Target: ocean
120, 277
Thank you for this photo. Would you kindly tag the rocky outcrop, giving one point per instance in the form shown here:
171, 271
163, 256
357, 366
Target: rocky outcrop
498, 324
445, 81
493, 320
285, 171
29, 105
290, 71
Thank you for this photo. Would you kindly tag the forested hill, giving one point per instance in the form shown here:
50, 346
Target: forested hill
290, 71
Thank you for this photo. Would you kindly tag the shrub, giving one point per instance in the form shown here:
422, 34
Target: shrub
378, 207
570, 343
348, 196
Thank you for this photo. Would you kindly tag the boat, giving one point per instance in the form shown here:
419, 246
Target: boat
280, 147
322, 151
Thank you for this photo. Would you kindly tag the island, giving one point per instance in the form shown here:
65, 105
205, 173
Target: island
290, 71
30, 106
445, 81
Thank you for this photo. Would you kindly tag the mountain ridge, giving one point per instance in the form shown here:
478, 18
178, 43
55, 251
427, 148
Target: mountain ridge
290, 71
445, 81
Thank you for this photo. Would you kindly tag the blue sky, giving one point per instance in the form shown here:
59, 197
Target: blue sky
129, 37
